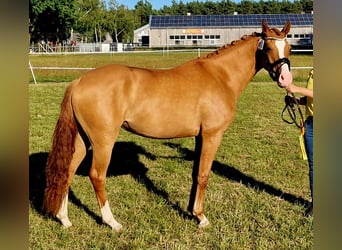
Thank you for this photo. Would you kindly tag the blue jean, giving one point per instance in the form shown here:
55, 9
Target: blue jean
308, 139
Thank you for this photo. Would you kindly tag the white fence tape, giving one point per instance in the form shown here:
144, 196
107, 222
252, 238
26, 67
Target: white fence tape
70, 68
164, 51
62, 68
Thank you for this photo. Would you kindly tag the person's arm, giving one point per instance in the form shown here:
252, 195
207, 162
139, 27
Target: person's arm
291, 88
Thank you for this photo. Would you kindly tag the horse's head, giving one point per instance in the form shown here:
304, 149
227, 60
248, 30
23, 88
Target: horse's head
275, 52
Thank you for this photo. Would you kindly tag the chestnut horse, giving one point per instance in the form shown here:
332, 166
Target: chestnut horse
196, 99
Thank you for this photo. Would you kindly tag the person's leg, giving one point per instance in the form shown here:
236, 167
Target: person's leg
308, 136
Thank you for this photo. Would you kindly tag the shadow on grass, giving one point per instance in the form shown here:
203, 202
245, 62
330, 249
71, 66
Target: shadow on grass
234, 174
124, 161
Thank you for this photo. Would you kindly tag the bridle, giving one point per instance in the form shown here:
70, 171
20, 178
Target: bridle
270, 66
292, 106
291, 103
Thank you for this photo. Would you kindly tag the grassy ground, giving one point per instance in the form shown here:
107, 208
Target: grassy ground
257, 191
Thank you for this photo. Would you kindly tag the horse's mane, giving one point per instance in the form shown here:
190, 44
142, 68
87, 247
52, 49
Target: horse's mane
232, 44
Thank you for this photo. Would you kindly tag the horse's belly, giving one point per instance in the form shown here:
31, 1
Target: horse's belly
169, 128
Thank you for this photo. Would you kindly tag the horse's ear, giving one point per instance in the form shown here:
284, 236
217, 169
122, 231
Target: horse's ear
264, 26
286, 28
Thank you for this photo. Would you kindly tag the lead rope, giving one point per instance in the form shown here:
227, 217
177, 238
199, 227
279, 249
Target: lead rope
292, 105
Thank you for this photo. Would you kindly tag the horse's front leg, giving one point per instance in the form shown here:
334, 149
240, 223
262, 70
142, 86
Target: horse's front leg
209, 145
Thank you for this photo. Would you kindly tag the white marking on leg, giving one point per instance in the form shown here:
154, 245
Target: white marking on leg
108, 218
204, 222
62, 214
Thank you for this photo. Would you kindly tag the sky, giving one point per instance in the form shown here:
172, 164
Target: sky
158, 4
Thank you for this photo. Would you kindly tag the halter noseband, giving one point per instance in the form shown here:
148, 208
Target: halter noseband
281, 61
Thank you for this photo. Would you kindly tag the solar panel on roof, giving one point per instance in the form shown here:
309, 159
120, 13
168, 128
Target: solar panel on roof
229, 20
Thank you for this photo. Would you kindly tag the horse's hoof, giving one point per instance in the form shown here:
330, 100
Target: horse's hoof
204, 222
65, 221
66, 226
118, 228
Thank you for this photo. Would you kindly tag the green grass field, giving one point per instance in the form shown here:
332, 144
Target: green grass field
255, 199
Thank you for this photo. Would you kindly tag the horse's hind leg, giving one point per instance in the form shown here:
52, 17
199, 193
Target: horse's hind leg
102, 150
77, 157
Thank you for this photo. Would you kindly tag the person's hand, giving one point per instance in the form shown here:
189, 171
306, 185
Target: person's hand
291, 88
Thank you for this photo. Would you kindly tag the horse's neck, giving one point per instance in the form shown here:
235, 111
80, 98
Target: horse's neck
238, 62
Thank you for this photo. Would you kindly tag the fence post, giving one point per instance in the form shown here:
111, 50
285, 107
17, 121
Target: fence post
34, 78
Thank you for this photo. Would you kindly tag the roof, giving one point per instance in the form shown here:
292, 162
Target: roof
229, 20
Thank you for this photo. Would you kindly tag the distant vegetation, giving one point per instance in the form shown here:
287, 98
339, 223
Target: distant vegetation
55, 20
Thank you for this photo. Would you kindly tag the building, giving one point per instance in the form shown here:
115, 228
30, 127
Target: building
217, 30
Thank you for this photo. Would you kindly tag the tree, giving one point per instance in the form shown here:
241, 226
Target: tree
211, 8
297, 6
120, 22
51, 19
194, 8
227, 7
307, 5
246, 7
92, 18
274, 6
143, 10
113, 19
286, 7
182, 8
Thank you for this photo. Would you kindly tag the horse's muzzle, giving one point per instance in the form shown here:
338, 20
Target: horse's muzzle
285, 76
279, 71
